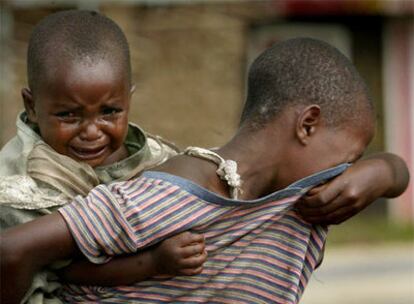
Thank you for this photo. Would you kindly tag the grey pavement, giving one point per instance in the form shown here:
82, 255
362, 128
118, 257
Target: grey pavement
381, 274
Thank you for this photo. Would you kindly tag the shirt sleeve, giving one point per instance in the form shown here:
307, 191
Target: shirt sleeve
98, 225
121, 219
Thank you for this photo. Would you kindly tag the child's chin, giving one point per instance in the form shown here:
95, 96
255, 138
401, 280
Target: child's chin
95, 163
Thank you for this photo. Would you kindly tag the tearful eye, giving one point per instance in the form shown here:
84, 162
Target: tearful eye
110, 111
65, 114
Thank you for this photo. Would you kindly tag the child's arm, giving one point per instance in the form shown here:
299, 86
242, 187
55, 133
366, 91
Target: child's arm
27, 248
183, 254
380, 175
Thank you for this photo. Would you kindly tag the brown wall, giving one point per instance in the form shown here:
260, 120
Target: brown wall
188, 71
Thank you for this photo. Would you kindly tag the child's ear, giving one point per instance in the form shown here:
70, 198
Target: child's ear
307, 123
29, 105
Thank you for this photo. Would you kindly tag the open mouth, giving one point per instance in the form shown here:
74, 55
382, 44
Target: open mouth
88, 153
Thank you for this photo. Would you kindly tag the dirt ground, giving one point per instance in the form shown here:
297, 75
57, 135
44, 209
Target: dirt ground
363, 275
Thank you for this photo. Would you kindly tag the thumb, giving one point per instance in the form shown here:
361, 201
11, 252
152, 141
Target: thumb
315, 190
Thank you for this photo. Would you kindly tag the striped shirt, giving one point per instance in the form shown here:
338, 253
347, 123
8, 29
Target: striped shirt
259, 251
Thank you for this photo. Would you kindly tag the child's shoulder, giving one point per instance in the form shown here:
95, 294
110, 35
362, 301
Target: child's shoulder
160, 145
14, 154
159, 148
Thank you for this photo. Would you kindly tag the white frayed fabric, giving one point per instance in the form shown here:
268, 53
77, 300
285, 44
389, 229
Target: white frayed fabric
227, 169
22, 192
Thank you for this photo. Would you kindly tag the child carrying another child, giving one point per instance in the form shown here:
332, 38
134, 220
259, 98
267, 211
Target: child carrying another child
308, 115
75, 135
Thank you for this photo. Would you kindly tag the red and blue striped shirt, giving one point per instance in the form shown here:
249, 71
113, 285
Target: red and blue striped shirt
259, 251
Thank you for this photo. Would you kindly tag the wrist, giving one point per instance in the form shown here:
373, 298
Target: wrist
153, 265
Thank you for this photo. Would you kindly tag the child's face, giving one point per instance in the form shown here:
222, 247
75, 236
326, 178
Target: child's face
332, 147
82, 111
324, 147
345, 145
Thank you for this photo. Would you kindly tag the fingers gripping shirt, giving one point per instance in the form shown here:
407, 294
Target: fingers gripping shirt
259, 251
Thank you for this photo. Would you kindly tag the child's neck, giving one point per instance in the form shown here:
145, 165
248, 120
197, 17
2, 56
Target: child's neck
258, 171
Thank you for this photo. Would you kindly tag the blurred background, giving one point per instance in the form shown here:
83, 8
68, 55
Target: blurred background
190, 60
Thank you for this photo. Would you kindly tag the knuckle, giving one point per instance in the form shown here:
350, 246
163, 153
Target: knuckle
352, 194
197, 270
193, 271
186, 235
174, 251
322, 199
200, 249
196, 250
176, 257
198, 264
200, 261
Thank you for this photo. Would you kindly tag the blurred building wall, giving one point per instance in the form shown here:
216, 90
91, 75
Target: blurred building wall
189, 69
398, 65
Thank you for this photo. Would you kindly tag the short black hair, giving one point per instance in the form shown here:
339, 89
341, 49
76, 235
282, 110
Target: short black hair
75, 35
304, 71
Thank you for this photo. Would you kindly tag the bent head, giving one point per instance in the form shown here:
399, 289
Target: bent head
313, 100
312, 145
79, 85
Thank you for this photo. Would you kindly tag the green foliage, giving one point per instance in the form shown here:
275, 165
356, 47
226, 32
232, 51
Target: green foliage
370, 230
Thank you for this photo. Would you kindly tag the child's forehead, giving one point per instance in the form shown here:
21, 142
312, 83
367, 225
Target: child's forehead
85, 64
86, 81
67, 72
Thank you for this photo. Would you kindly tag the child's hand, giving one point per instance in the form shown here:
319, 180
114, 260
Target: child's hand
182, 254
349, 193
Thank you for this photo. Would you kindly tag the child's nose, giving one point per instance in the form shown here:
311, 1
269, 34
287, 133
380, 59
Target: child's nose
91, 131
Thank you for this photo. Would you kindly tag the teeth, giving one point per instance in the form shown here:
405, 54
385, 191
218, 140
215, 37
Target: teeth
88, 151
